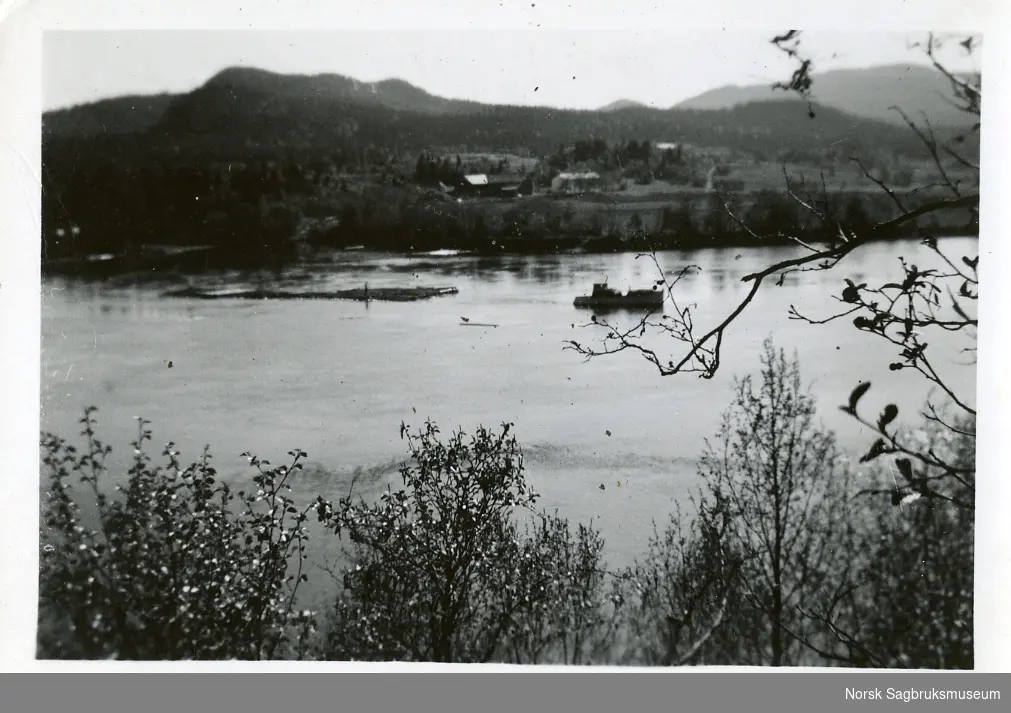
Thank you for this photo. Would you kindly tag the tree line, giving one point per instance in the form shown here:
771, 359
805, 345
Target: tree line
255, 210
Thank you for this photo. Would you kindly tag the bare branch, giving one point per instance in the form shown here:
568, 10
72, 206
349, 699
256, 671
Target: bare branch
702, 640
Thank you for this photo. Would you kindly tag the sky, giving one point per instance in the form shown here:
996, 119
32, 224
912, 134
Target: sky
572, 69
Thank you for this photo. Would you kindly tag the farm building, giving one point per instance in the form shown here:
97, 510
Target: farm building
481, 185
586, 182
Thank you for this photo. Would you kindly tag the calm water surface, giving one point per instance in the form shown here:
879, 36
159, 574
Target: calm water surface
337, 378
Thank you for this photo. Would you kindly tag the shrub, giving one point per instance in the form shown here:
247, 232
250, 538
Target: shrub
776, 473
683, 595
567, 614
917, 588
439, 570
906, 600
169, 570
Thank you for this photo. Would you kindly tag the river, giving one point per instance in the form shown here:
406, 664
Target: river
336, 378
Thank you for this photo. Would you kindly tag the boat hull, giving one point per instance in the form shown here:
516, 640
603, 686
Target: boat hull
621, 302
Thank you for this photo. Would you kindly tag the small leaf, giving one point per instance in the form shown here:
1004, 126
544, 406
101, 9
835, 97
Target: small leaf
875, 450
887, 416
856, 395
852, 292
905, 468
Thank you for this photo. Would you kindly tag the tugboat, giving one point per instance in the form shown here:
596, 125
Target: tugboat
604, 296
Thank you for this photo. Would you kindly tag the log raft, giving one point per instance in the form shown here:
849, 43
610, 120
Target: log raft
373, 294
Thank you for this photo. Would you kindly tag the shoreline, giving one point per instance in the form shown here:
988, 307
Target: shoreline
208, 260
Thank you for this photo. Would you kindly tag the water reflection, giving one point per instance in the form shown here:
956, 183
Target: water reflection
540, 269
546, 270
719, 271
621, 318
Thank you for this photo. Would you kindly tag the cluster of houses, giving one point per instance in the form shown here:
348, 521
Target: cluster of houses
481, 185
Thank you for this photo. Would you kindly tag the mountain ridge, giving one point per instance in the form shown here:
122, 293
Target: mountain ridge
128, 114
845, 89
244, 108
393, 93
871, 93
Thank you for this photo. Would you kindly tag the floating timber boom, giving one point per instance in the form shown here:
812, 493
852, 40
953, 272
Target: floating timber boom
377, 294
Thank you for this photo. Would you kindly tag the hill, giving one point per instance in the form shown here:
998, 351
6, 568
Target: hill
393, 94
138, 114
120, 115
622, 104
264, 109
868, 93
246, 109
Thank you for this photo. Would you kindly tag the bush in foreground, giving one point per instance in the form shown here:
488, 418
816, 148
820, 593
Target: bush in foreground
175, 565
905, 597
778, 475
683, 596
440, 570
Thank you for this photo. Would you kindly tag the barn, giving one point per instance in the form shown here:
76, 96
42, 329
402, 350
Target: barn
481, 185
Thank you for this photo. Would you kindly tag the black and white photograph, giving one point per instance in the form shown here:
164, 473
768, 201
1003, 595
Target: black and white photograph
632, 348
